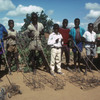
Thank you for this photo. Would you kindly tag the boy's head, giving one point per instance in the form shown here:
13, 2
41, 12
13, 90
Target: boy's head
34, 17
56, 28
77, 22
65, 23
90, 27
11, 23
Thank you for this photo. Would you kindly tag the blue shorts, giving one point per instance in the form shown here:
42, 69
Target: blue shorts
80, 47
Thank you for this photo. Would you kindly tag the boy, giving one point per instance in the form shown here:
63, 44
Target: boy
55, 41
76, 33
11, 45
34, 31
65, 48
90, 39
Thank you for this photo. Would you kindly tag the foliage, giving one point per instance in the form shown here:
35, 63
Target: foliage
46, 48
42, 18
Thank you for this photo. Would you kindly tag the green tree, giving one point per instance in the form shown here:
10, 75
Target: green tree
42, 17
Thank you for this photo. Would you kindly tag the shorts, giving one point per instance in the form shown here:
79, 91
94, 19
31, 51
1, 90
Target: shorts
80, 47
35, 45
91, 51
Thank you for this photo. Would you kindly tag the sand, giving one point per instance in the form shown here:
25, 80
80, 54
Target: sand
43, 86
69, 92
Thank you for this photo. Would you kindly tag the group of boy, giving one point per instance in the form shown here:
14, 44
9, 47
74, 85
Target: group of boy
34, 32
63, 38
59, 40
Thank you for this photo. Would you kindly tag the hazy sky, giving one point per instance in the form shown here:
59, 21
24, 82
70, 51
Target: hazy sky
86, 10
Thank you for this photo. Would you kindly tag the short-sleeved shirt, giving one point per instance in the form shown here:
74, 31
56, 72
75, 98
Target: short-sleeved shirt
36, 32
11, 33
65, 34
36, 42
90, 37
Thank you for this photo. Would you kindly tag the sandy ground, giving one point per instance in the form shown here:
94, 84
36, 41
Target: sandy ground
69, 92
43, 86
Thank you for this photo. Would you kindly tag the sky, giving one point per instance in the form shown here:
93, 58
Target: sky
57, 10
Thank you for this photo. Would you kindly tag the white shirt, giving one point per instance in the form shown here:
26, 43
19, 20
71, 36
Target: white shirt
52, 40
90, 37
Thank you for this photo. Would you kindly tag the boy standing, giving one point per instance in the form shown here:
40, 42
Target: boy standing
76, 33
90, 39
11, 44
34, 31
65, 34
55, 41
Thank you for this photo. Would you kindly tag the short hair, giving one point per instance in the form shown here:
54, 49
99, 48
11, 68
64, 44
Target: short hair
10, 21
33, 15
65, 20
55, 26
90, 24
76, 19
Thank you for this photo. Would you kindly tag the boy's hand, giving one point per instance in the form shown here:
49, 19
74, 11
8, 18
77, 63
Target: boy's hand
31, 35
13, 37
83, 39
57, 40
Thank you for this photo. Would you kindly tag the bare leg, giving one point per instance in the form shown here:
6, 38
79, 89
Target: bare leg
67, 55
16, 61
79, 58
9, 60
32, 59
44, 61
89, 63
75, 55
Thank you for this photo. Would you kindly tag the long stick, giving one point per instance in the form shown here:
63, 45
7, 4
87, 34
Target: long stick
87, 58
44, 57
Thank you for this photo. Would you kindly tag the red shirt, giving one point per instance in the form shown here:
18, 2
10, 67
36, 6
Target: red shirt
65, 34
